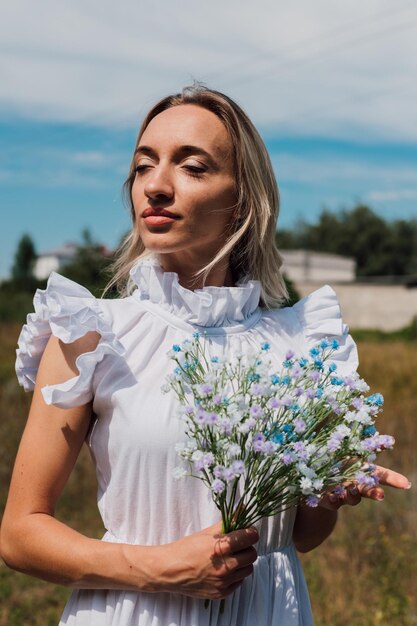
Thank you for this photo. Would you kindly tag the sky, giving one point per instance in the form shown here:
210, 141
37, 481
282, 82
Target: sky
331, 86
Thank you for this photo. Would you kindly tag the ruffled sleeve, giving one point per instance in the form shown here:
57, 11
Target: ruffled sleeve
320, 317
67, 311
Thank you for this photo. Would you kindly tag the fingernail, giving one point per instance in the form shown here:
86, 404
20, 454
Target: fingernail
380, 496
409, 486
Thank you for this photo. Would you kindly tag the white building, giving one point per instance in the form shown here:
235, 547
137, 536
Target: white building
53, 260
306, 266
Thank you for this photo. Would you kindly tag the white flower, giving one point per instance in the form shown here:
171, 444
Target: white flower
306, 486
343, 430
179, 472
318, 484
233, 449
307, 471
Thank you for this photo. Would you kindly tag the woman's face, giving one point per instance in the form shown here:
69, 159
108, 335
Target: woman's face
184, 190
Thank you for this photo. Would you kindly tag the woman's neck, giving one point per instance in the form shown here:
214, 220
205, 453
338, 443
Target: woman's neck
219, 276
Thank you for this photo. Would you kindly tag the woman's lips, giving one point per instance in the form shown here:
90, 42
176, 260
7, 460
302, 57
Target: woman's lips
158, 220
153, 217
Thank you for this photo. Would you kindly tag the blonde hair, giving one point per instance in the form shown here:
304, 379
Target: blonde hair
251, 244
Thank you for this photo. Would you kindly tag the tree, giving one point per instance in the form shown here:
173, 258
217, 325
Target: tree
24, 260
89, 265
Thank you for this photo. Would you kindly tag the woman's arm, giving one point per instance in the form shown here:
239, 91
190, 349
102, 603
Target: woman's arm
313, 525
34, 542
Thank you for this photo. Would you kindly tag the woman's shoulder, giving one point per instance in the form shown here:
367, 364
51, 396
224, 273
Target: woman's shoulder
314, 318
83, 323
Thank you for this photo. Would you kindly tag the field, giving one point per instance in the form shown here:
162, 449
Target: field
364, 575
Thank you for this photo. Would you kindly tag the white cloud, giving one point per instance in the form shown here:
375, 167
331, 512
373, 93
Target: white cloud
393, 195
336, 168
345, 69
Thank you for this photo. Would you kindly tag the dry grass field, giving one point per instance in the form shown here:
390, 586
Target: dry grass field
364, 575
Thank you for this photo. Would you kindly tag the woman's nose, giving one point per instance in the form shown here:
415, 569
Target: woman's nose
159, 183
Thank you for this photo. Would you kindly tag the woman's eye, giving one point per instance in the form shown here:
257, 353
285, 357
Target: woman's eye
195, 170
141, 167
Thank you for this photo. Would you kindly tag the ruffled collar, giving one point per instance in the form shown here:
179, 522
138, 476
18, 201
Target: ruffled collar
210, 306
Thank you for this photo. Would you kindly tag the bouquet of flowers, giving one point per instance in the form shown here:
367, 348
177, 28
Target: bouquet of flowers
264, 440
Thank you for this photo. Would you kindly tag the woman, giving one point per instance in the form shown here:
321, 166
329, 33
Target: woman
200, 255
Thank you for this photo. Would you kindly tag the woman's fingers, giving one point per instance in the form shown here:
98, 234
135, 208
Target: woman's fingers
237, 540
352, 494
392, 479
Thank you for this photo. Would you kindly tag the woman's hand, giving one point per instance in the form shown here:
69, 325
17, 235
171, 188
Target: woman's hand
313, 525
352, 494
207, 564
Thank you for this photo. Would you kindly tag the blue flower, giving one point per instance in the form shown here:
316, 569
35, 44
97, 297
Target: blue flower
287, 363
176, 347
376, 399
332, 367
319, 392
265, 346
274, 379
336, 381
314, 352
335, 344
214, 359
196, 335
278, 438
303, 362
286, 380
369, 431
254, 378
318, 363
287, 428
324, 344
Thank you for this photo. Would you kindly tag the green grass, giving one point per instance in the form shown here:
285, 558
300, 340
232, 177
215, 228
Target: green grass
365, 574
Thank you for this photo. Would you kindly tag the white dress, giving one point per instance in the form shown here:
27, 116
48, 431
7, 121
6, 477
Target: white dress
132, 440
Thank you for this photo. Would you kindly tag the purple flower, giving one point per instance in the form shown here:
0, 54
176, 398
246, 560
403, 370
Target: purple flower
269, 447
225, 426
289, 355
357, 403
256, 389
287, 458
274, 403
228, 474
311, 393
211, 419
366, 479
218, 486
312, 501
299, 426
218, 471
301, 451
258, 442
315, 375
256, 411
286, 400
208, 459
334, 442
238, 467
